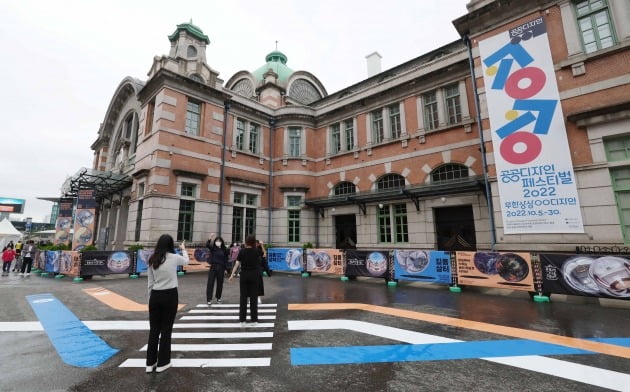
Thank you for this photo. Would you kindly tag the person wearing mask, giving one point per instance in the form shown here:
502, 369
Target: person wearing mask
249, 261
235, 248
30, 250
218, 259
163, 301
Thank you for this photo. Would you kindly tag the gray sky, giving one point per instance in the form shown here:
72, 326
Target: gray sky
62, 61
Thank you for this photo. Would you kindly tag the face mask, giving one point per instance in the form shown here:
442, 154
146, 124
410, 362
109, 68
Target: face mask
218, 243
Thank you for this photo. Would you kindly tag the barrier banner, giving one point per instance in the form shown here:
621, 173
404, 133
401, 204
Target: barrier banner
285, 259
69, 263
419, 265
372, 263
328, 261
537, 186
107, 262
142, 259
40, 260
498, 270
587, 275
63, 224
197, 259
84, 219
52, 260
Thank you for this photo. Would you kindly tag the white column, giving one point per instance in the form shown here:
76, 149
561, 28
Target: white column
463, 100
571, 32
368, 127
387, 126
420, 109
620, 15
403, 122
439, 95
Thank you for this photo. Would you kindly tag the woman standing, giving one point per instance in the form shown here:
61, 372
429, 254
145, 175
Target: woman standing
249, 261
163, 300
218, 259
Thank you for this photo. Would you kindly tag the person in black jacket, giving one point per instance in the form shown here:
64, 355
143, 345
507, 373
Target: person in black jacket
218, 259
249, 261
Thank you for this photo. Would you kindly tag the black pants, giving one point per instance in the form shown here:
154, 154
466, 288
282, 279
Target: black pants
162, 310
217, 271
6, 266
27, 264
249, 282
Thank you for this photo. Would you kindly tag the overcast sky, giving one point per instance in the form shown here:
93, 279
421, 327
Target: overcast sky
62, 61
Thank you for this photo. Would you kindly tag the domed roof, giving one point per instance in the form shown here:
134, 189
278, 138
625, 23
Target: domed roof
193, 30
276, 61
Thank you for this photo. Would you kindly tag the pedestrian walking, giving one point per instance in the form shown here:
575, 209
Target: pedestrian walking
18, 255
8, 254
233, 251
163, 300
30, 250
262, 253
218, 259
249, 261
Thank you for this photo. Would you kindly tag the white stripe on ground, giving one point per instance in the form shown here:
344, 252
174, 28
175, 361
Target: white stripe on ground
235, 305
222, 311
221, 325
220, 335
222, 318
536, 363
120, 325
204, 362
218, 347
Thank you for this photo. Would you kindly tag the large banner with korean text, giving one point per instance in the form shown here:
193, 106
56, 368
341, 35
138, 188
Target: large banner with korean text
329, 261
107, 262
424, 266
372, 263
498, 270
535, 175
285, 259
84, 219
63, 224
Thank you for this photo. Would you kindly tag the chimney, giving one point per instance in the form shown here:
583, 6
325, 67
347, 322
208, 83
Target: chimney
373, 64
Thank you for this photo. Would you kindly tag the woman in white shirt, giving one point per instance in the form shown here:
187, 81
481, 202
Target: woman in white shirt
163, 300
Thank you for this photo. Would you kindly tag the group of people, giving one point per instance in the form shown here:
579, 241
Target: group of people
248, 262
21, 254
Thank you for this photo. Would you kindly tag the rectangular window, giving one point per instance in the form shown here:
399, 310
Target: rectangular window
295, 141
335, 138
240, 134
140, 190
384, 225
250, 200
188, 190
193, 118
348, 129
237, 224
254, 132
617, 149
294, 225
401, 229
294, 201
250, 221
595, 26
453, 106
185, 220
430, 110
394, 120
149, 123
139, 220
243, 218
128, 127
378, 132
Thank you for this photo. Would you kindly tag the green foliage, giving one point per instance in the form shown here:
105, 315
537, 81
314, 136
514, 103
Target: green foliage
88, 248
135, 247
267, 246
55, 247
307, 245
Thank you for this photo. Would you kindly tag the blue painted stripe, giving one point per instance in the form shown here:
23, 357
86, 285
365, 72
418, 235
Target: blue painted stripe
433, 352
75, 343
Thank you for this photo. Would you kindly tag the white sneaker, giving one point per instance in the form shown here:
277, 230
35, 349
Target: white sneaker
151, 368
28, 274
209, 303
21, 274
242, 324
160, 369
259, 300
253, 323
219, 301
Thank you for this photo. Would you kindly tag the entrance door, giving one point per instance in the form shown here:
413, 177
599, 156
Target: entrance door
455, 228
345, 231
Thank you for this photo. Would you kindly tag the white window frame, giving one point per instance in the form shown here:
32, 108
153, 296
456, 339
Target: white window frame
187, 130
442, 111
343, 131
287, 142
247, 136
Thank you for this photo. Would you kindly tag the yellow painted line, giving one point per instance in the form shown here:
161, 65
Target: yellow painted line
520, 333
117, 301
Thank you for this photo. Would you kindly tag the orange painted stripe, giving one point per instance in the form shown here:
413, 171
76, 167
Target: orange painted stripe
117, 301
602, 348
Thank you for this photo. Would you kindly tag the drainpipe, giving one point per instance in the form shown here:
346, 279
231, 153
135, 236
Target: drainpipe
272, 128
226, 109
493, 235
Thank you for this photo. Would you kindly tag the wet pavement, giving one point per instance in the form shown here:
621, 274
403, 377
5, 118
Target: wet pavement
413, 337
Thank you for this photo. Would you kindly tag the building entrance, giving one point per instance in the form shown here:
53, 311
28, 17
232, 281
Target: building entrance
455, 228
346, 231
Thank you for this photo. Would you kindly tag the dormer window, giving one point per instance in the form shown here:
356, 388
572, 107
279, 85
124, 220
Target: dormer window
191, 52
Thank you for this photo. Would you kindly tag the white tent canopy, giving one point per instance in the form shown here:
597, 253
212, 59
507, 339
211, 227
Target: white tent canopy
8, 232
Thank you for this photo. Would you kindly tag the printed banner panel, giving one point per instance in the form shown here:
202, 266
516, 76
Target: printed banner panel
373, 263
84, 219
587, 275
197, 259
536, 181
285, 259
420, 265
493, 269
63, 224
52, 260
40, 260
106, 263
328, 261
69, 263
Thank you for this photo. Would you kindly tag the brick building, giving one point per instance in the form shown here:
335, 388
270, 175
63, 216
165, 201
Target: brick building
394, 161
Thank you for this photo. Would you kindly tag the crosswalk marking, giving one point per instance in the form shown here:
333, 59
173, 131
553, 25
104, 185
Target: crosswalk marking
220, 335
223, 318
217, 347
204, 362
235, 306
220, 325
227, 311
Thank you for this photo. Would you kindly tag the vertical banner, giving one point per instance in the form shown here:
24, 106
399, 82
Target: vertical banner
424, 266
498, 270
84, 219
328, 261
285, 259
69, 263
370, 263
63, 224
535, 174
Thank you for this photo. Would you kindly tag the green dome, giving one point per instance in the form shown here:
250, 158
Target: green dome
192, 30
277, 62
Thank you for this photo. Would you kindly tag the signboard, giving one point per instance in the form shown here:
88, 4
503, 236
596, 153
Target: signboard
285, 259
328, 261
420, 265
64, 221
51, 263
84, 219
106, 263
69, 263
535, 174
497, 270
10, 205
587, 275
372, 263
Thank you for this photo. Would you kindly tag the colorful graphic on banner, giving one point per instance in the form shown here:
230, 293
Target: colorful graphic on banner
498, 270
329, 261
420, 265
69, 263
52, 260
198, 259
84, 219
63, 224
40, 260
285, 259
142, 259
535, 175
371, 263
106, 263
587, 275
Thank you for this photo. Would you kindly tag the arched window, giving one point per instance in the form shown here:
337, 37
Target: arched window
449, 172
345, 188
390, 181
304, 92
244, 87
134, 135
191, 52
